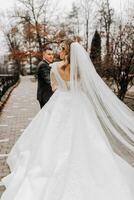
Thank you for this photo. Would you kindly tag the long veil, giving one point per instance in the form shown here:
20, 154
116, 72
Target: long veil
116, 119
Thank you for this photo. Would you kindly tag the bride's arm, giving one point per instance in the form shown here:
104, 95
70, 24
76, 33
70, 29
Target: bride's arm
53, 81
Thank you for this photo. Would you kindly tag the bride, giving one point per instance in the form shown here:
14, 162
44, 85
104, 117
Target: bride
65, 152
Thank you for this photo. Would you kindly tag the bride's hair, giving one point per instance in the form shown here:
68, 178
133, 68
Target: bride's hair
66, 44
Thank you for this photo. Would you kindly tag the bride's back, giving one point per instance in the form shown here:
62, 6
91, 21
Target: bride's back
60, 77
64, 71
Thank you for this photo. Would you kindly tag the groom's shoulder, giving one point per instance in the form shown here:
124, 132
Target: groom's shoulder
42, 64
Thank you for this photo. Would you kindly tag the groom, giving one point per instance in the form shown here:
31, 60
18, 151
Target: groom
44, 90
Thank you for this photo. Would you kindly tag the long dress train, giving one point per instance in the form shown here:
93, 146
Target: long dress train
62, 155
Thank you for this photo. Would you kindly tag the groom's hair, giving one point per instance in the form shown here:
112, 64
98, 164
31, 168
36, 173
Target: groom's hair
47, 48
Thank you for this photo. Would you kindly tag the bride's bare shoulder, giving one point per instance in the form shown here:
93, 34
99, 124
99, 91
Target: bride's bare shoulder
55, 65
60, 64
60, 67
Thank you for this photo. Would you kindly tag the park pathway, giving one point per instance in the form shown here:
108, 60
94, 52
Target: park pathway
17, 113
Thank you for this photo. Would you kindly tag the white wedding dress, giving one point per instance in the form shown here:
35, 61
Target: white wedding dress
64, 153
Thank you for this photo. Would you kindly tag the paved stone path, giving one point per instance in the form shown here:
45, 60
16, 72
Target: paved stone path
19, 110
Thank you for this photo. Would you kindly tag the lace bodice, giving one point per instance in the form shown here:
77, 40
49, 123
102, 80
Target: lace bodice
56, 81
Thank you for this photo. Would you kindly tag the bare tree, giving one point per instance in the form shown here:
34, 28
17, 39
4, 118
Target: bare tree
90, 14
123, 55
73, 19
106, 21
13, 41
34, 12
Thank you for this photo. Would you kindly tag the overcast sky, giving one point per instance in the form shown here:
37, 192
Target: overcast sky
4, 4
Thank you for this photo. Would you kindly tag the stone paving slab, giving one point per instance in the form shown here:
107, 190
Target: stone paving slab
17, 113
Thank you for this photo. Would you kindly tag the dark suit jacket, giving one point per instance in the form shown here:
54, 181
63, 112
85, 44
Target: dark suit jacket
44, 90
